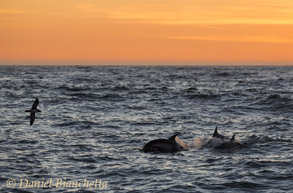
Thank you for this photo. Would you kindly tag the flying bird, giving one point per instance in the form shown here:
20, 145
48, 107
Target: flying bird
33, 111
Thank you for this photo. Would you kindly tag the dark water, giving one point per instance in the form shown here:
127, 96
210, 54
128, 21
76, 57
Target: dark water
94, 121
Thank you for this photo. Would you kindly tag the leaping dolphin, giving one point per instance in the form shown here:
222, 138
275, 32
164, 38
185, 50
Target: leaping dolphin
163, 145
33, 110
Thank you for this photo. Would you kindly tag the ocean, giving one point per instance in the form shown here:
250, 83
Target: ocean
96, 119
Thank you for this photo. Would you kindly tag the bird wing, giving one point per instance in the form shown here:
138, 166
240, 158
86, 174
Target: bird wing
35, 104
32, 118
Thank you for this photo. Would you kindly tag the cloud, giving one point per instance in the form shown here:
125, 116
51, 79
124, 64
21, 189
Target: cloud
13, 11
184, 15
254, 39
187, 12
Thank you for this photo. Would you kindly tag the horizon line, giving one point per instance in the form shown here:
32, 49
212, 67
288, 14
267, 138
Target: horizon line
140, 63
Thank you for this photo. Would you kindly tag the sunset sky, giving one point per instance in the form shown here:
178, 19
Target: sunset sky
146, 30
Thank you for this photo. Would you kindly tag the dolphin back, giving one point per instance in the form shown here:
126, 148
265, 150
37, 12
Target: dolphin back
161, 145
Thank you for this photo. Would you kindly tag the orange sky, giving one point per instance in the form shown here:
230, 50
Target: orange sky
146, 30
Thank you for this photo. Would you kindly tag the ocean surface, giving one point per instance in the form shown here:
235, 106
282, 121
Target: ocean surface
95, 120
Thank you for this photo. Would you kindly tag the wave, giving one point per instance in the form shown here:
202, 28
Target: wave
84, 95
245, 185
278, 128
203, 96
120, 88
263, 140
27, 141
85, 159
224, 74
112, 97
276, 102
74, 88
80, 124
276, 98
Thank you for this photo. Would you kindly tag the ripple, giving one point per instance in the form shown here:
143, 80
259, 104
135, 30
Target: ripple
95, 120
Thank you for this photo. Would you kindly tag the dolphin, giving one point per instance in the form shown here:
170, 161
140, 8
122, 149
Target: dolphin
219, 141
33, 111
163, 145
227, 144
217, 135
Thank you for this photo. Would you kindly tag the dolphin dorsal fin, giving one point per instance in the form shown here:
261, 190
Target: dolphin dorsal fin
215, 132
233, 138
172, 138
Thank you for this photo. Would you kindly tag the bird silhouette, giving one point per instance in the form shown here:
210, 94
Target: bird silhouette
33, 111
